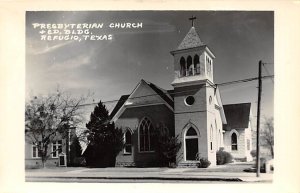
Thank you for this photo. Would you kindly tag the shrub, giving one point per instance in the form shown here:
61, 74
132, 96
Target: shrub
166, 147
204, 163
78, 162
253, 153
223, 157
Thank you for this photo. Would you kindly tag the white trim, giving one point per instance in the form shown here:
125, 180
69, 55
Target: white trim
234, 131
184, 131
37, 151
187, 103
219, 99
121, 110
143, 105
210, 52
65, 159
189, 83
189, 50
57, 146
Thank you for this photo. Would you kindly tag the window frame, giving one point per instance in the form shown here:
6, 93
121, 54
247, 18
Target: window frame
186, 137
187, 98
127, 144
149, 136
234, 144
36, 151
57, 152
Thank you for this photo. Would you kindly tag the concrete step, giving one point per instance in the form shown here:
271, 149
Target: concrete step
188, 164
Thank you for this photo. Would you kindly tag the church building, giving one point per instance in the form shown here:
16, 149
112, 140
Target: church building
193, 111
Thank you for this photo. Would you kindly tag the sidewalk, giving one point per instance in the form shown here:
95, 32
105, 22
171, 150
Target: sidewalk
186, 174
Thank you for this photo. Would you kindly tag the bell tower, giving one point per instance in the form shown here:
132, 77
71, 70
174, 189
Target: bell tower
194, 98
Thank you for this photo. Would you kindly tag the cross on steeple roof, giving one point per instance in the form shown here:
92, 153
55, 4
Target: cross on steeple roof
192, 19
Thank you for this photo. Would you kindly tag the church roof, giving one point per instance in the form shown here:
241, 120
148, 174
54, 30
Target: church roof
191, 40
120, 103
164, 94
237, 115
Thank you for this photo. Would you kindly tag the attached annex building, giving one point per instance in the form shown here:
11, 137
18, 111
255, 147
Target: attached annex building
193, 110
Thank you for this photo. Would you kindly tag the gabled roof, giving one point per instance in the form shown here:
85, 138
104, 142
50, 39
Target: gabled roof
171, 93
120, 103
163, 94
237, 115
191, 40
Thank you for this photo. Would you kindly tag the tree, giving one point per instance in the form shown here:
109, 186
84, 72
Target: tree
267, 135
166, 146
48, 119
75, 151
105, 141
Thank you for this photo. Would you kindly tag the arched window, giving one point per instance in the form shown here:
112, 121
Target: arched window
197, 64
165, 131
211, 137
182, 67
127, 146
190, 66
191, 132
234, 142
146, 135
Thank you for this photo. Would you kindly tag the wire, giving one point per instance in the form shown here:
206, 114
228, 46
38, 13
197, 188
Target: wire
268, 63
180, 92
268, 73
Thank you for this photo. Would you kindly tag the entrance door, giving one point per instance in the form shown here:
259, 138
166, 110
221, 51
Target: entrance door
191, 144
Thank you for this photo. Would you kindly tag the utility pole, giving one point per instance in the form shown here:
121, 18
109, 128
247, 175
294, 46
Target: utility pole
258, 120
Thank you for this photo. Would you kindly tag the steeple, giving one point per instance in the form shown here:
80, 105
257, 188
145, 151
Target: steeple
191, 40
194, 96
193, 60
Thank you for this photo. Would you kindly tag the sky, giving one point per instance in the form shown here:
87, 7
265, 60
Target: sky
111, 68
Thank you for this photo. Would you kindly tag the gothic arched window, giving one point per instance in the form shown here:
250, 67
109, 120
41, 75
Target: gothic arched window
127, 145
146, 135
197, 64
211, 137
190, 65
191, 132
234, 142
182, 67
